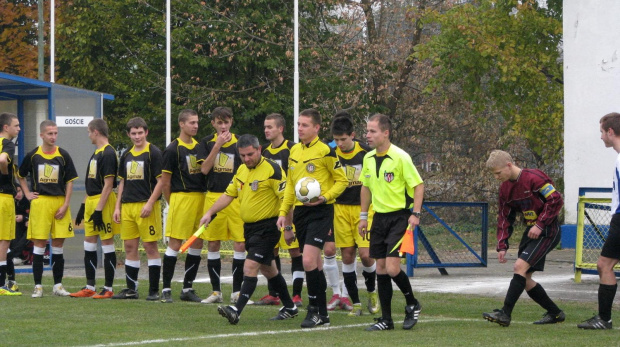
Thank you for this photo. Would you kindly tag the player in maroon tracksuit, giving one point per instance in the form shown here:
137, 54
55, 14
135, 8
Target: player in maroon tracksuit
531, 193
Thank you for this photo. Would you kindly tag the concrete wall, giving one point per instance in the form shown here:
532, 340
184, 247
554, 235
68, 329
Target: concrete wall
591, 90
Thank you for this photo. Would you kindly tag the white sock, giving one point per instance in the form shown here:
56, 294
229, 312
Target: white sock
330, 267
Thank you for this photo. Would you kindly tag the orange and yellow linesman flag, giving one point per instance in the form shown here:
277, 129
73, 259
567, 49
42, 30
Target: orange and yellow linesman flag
406, 242
192, 239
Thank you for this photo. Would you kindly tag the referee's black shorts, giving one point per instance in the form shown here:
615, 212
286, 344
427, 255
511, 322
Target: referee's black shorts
260, 239
387, 229
534, 251
313, 224
611, 248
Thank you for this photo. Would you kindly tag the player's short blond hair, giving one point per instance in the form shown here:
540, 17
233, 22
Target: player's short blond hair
498, 158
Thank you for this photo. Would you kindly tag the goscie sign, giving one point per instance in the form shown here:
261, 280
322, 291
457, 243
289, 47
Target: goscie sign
73, 121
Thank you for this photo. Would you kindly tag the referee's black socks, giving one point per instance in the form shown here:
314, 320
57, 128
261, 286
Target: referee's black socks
384, 285
606, 294
247, 289
278, 283
402, 281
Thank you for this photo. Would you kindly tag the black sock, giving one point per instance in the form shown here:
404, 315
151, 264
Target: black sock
131, 276
272, 291
168, 270
321, 297
237, 269
369, 280
215, 267
246, 291
384, 285
58, 267
10, 267
350, 281
297, 266
402, 281
109, 268
191, 270
90, 265
279, 284
37, 268
2, 275
517, 286
606, 294
539, 295
154, 271
314, 286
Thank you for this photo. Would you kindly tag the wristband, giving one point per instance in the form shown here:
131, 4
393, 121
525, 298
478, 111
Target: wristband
363, 215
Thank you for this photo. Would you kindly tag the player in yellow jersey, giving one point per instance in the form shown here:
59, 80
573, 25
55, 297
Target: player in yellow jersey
98, 207
9, 129
313, 221
52, 173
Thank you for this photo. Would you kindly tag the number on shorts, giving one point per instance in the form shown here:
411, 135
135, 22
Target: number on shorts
152, 230
108, 228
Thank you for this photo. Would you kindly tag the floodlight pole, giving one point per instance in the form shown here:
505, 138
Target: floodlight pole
52, 43
41, 41
168, 79
296, 75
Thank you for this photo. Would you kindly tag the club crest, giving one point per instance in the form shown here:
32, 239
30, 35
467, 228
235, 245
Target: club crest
388, 176
254, 186
310, 168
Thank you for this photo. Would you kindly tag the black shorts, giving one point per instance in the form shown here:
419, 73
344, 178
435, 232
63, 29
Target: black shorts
534, 252
260, 239
387, 229
313, 224
611, 248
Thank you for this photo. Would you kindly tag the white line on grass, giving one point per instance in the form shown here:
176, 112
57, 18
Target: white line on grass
273, 332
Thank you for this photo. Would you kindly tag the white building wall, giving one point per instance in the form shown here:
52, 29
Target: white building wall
591, 90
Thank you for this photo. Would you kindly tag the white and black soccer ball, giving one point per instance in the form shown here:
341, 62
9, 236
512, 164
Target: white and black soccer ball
307, 189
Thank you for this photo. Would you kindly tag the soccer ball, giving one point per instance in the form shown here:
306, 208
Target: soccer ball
307, 189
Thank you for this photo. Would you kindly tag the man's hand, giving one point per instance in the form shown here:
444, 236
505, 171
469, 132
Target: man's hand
61, 212
97, 219
362, 228
319, 201
80, 215
146, 210
414, 221
289, 235
281, 223
206, 219
117, 216
223, 138
501, 256
534, 232
31, 196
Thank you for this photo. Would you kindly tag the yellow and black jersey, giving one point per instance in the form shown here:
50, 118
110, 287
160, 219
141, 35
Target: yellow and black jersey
352, 164
140, 171
49, 172
181, 162
102, 164
7, 183
279, 154
226, 162
259, 190
316, 160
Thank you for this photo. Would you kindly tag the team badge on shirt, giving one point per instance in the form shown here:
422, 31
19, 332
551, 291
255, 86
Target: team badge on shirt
224, 163
192, 164
388, 176
254, 186
310, 168
92, 170
48, 173
135, 170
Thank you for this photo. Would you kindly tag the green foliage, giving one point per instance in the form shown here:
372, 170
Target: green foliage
504, 57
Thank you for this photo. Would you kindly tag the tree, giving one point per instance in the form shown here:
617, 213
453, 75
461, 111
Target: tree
505, 58
18, 37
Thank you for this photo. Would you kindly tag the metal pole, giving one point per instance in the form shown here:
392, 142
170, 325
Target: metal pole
168, 79
52, 45
296, 75
41, 41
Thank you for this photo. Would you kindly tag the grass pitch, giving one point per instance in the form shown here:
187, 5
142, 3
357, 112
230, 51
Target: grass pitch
446, 320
